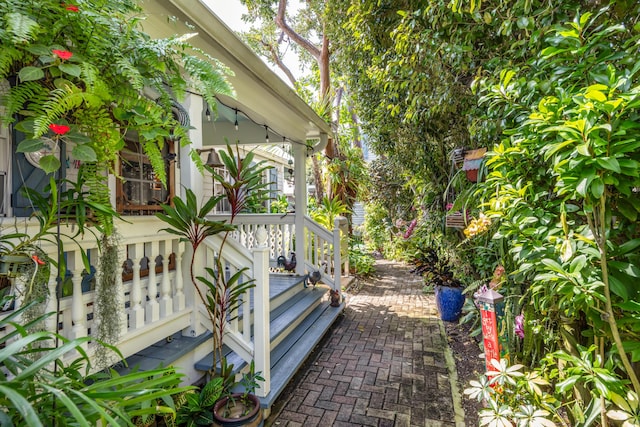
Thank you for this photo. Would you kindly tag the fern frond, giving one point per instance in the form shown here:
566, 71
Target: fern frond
129, 72
22, 28
152, 150
95, 181
60, 103
9, 56
19, 97
106, 139
94, 82
209, 77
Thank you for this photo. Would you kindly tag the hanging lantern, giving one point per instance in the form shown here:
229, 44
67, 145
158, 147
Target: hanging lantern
290, 177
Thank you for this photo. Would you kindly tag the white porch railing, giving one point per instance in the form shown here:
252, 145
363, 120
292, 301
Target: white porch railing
157, 297
324, 251
152, 287
254, 308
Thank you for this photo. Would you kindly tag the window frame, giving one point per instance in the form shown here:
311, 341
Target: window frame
126, 207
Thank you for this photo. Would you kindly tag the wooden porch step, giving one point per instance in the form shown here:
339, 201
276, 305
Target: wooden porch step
290, 354
165, 352
162, 353
283, 319
282, 287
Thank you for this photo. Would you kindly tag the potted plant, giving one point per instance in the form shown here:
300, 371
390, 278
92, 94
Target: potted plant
240, 408
448, 290
190, 222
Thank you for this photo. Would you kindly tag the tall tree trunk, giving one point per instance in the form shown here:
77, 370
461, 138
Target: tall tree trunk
322, 56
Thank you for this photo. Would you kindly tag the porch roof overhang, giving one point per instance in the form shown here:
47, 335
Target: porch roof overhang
262, 98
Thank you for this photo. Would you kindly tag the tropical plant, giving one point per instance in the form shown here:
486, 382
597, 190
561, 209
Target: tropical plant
327, 211
39, 388
545, 396
185, 219
234, 405
360, 261
246, 186
85, 74
197, 409
578, 131
190, 223
280, 205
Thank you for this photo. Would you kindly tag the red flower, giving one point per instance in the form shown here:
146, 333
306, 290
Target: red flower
37, 259
70, 7
62, 54
59, 129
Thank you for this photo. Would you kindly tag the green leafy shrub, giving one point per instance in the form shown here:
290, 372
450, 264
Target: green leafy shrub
360, 261
40, 389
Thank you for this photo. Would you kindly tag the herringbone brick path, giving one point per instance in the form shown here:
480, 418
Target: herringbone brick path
386, 363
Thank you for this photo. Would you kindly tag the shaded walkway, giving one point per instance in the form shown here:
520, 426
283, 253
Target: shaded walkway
386, 363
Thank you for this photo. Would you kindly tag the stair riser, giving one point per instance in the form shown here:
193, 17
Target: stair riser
285, 296
294, 324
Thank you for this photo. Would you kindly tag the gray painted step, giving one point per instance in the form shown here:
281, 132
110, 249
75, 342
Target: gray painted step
167, 351
281, 319
291, 353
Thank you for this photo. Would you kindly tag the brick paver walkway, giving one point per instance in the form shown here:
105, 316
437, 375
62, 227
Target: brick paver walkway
386, 363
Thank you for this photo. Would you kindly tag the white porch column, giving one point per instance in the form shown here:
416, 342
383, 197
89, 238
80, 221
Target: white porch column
300, 192
190, 177
261, 309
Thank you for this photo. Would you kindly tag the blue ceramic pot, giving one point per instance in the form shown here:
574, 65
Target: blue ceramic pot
449, 302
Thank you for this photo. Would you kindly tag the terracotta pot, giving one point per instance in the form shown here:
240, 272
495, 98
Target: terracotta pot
228, 411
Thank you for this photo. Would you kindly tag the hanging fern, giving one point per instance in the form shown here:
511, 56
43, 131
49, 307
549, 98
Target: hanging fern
21, 28
95, 180
17, 98
61, 102
9, 55
88, 68
125, 68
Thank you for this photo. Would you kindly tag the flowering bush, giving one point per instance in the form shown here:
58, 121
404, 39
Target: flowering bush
410, 228
544, 397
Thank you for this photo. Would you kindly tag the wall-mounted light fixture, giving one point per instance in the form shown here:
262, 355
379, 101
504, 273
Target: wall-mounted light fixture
266, 138
213, 160
207, 113
236, 122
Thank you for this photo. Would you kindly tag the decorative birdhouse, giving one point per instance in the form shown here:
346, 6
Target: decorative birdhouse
472, 162
455, 220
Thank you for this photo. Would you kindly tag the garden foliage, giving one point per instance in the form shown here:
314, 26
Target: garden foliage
552, 89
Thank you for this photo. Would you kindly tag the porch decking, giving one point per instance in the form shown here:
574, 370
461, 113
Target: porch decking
299, 318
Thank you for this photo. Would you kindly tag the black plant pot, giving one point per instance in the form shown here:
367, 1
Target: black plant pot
228, 411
